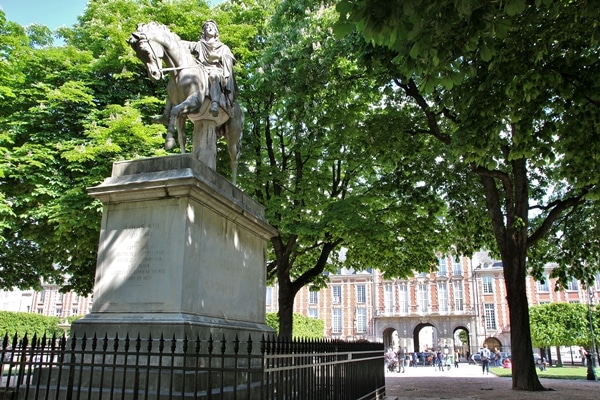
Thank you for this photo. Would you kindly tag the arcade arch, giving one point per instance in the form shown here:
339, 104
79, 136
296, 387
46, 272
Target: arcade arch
425, 337
493, 343
390, 339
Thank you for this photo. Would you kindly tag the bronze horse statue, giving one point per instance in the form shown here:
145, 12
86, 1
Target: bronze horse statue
187, 91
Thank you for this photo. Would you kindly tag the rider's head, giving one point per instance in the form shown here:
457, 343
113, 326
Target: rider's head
209, 29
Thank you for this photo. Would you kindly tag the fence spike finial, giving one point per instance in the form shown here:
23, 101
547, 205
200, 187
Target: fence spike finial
223, 344
249, 346
236, 345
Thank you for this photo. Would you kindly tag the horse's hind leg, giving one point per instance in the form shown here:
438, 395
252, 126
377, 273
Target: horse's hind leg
232, 130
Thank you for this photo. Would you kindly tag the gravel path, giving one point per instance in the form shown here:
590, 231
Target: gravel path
468, 382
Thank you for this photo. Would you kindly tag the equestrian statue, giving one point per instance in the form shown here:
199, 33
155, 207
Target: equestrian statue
201, 88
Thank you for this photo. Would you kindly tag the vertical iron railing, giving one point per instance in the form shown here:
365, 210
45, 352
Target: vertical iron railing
80, 368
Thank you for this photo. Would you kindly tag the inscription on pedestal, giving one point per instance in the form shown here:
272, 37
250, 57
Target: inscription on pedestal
134, 264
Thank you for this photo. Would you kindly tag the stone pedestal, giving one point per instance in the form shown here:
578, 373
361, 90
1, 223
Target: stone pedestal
182, 252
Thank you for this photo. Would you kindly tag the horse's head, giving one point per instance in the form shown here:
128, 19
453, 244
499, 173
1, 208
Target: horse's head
150, 52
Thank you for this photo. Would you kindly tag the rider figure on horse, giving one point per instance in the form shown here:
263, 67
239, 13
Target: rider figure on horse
218, 60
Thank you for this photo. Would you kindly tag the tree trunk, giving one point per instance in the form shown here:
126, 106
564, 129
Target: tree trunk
559, 362
287, 294
524, 376
286, 311
509, 215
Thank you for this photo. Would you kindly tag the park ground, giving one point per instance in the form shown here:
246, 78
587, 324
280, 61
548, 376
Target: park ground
468, 382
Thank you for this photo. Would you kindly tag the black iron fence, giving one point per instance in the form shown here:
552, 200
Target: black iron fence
164, 369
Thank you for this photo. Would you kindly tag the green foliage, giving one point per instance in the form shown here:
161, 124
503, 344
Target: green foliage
304, 327
21, 323
510, 90
560, 324
69, 113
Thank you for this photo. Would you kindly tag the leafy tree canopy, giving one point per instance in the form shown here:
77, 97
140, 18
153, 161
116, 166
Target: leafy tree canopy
561, 324
510, 90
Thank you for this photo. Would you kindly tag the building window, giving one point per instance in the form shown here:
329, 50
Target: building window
313, 313
42, 296
573, 284
75, 311
597, 283
388, 298
488, 284
456, 267
490, 316
59, 297
40, 310
336, 292
442, 266
423, 297
361, 320
59, 311
269, 295
336, 320
403, 298
443, 296
313, 297
458, 297
361, 294
542, 286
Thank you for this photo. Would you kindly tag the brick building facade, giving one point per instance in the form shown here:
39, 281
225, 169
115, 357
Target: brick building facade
462, 295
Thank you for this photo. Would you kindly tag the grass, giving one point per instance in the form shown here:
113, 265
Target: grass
550, 372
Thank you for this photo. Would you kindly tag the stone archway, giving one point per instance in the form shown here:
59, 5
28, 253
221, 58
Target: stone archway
462, 341
390, 338
493, 343
429, 343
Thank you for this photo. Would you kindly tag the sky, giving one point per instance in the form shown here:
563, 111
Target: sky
52, 13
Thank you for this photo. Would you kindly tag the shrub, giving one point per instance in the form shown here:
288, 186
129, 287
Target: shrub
304, 327
21, 323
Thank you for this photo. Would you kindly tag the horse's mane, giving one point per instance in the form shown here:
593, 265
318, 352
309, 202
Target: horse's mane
154, 26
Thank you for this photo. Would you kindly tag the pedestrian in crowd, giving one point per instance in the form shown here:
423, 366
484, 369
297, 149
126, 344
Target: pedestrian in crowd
485, 359
390, 360
422, 358
440, 357
583, 352
401, 358
456, 356
497, 358
543, 364
414, 359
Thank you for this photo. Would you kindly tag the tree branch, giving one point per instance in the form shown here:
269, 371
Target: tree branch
559, 208
412, 90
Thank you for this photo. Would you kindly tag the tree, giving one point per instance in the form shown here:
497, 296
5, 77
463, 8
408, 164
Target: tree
510, 89
71, 112
313, 119
559, 324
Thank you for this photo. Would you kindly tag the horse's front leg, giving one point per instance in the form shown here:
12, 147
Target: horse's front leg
181, 132
178, 115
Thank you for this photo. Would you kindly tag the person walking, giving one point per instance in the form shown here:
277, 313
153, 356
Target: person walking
456, 356
401, 358
485, 359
